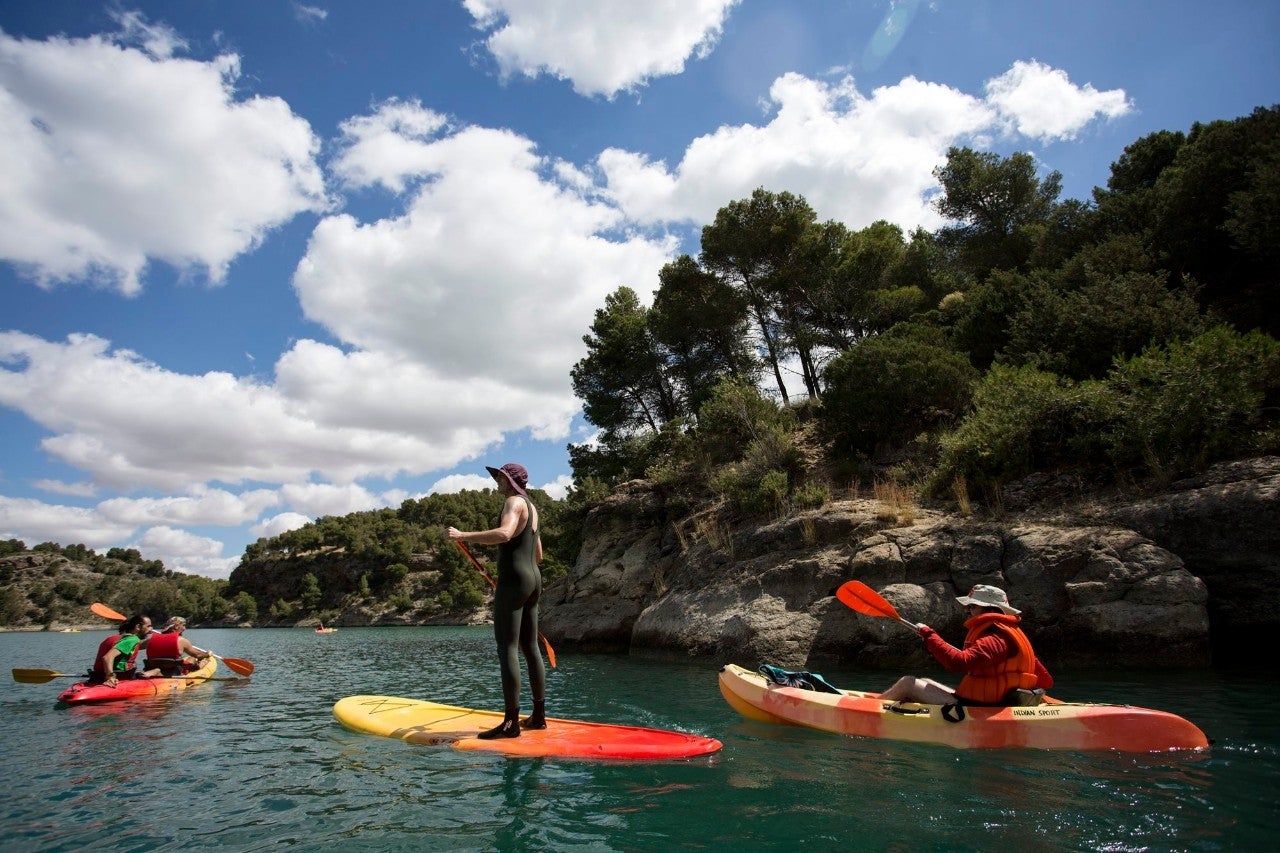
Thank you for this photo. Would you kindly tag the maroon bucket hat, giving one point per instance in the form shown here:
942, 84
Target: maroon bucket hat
514, 473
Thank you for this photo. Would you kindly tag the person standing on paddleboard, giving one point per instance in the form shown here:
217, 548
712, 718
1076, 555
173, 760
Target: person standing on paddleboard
997, 657
515, 598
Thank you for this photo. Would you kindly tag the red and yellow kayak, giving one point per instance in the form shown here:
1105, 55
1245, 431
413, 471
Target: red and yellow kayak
1053, 725
419, 722
82, 693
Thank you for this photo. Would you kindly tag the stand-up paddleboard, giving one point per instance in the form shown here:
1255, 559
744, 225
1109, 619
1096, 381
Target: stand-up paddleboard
415, 721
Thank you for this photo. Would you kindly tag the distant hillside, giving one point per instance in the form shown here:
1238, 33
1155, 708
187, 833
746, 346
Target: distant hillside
50, 587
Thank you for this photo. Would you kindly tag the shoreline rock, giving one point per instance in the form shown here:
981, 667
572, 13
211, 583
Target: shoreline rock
1174, 579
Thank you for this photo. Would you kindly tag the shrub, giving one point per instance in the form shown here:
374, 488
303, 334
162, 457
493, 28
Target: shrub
1023, 420
1181, 406
891, 389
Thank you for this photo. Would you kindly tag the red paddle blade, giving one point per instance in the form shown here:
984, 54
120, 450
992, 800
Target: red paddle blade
106, 612
238, 665
864, 599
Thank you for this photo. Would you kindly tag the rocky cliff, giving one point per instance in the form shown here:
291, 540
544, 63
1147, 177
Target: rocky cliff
1168, 579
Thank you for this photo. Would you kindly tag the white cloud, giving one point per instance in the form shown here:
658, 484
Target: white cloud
1042, 102
209, 507
559, 487
112, 156
309, 14
386, 147
601, 46
57, 487
855, 158
455, 483
321, 499
182, 551
282, 523
35, 521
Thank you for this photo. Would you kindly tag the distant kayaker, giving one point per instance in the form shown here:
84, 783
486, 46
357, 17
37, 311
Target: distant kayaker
997, 657
168, 651
515, 598
118, 660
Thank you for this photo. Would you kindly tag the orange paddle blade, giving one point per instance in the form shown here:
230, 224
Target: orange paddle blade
238, 665
106, 612
864, 599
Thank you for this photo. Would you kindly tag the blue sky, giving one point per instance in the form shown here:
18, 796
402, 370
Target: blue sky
264, 262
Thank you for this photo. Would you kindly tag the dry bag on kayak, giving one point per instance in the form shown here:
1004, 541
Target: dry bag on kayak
803, 680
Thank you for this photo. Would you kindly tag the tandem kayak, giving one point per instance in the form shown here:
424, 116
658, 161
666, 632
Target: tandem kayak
1052, 725
83, 693
429, 723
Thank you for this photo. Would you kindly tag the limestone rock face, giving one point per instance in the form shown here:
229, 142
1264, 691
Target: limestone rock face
1160, 581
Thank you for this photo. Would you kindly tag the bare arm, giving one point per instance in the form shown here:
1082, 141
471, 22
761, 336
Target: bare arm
510, 523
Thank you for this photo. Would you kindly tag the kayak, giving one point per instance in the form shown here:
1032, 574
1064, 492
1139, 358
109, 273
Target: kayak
325, 630
83, 693
1051, 725
418, 722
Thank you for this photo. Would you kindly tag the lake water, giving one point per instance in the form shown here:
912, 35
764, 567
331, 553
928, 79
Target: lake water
261, 764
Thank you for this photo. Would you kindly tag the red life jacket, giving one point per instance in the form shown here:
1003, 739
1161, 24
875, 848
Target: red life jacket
990, 684
103, 647
162, 650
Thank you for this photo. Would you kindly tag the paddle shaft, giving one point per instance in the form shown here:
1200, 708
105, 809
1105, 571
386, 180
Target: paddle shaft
551, 653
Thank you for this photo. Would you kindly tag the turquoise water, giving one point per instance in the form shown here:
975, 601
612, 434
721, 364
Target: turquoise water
261, 764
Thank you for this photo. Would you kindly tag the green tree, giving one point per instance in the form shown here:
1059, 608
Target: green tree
1078, 333
246, 606
621, 381
1216, 217
310, 593
702, 323
756, 245
1000, 206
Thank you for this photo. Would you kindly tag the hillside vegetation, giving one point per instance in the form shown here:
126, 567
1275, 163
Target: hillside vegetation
1124, 341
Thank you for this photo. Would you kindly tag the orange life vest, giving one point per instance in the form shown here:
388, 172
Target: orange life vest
990, 684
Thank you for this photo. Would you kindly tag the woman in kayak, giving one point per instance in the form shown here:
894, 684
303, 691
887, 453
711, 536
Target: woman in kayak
168, 650
515, 599
997, 658
117, 661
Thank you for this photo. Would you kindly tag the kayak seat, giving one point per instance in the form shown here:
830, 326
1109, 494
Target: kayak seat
1022, 698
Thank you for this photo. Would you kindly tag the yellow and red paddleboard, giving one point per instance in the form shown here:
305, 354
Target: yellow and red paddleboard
1054, 725
419, 722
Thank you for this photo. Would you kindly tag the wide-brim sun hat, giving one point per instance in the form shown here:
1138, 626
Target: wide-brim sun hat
985, 595
513, 473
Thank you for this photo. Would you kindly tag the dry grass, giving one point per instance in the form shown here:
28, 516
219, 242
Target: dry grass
808, 530
961, 490
705, 527
897, 502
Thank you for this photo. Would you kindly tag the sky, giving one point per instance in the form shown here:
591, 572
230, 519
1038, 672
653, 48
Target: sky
263, 262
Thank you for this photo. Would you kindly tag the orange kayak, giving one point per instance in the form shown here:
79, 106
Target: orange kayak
83, 692
1052, 725
419, 722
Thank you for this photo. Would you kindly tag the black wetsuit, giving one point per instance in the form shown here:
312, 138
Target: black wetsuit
515, 616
